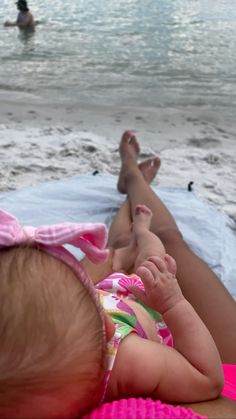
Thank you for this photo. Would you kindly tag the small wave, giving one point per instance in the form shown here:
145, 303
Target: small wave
12, 88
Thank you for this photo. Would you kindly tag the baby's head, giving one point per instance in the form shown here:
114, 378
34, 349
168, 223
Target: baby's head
52, 338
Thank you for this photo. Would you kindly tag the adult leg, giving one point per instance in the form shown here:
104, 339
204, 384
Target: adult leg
199, 284
120, 229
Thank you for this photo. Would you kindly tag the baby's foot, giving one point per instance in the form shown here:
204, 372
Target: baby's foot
149, 168
142, 218
129, 151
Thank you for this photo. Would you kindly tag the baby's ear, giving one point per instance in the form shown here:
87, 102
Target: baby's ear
171, 264
109, 327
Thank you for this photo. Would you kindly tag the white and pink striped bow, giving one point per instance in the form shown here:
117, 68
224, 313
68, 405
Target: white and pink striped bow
90, 238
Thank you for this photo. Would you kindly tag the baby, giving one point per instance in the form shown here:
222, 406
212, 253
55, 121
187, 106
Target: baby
62, 352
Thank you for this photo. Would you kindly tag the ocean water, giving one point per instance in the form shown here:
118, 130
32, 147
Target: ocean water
138, 52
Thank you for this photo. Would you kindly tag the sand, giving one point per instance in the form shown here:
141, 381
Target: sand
46, 142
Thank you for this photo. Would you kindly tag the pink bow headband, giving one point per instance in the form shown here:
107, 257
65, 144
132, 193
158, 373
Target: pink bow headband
90, 238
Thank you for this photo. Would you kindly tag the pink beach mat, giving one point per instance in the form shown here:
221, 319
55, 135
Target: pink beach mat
229, 389
141, 409
147, 408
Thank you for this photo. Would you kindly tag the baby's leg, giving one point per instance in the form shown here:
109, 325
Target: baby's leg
143, 243
126, 257
148, 244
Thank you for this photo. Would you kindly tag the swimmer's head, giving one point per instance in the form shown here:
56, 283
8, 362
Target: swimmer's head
52, 338
22, 5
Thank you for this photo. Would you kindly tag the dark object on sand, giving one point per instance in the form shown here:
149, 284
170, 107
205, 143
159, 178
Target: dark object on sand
190, 186
95, 172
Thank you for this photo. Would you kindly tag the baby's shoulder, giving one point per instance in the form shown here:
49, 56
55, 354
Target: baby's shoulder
134, 356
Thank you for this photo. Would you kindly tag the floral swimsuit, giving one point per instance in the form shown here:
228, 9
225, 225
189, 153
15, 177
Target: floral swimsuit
113, 291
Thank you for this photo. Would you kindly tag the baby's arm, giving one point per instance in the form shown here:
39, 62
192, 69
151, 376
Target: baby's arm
189, 372
191, 337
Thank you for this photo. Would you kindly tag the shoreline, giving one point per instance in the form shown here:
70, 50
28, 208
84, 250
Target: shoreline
46, 142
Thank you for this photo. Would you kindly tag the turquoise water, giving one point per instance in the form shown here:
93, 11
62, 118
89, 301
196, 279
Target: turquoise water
142, 52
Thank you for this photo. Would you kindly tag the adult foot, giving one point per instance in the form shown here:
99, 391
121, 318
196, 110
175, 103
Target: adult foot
142, 218
149, 168
129, 151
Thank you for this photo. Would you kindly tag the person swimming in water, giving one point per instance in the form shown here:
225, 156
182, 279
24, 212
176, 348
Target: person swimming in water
25, 20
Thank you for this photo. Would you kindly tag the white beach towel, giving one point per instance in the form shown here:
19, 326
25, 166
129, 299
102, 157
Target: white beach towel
87, 198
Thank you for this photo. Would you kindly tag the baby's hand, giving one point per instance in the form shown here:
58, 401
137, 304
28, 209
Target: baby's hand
162, 291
